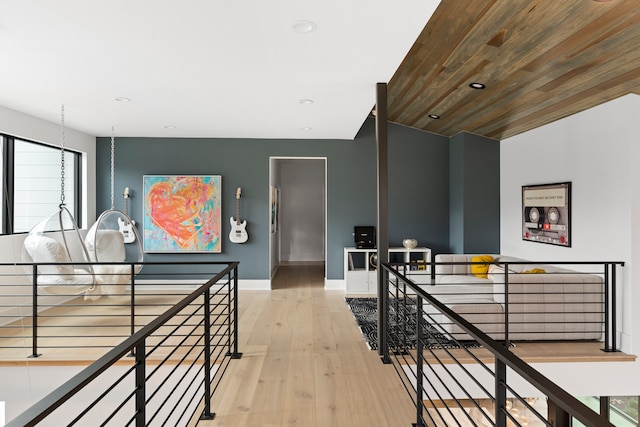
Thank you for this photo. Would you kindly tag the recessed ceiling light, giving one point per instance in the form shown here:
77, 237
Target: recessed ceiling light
304, 26
169, 127
305, 129
305, 101
434, 116
476, 85
122, 99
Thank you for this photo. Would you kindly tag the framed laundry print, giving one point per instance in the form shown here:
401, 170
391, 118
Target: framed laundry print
182, 213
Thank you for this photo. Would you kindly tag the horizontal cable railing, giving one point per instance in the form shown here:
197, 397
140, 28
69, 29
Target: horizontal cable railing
531, 301
162, 373
51, 321
459, 375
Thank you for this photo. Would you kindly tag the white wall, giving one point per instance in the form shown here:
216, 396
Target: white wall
34, 129
596, 151
31, 128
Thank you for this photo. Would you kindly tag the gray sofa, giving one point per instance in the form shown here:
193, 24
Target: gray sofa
559, 304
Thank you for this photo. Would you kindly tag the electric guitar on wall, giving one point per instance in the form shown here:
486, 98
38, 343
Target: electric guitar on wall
238, 232
125, 227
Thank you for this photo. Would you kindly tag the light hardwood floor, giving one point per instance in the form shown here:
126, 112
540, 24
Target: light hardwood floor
305, 362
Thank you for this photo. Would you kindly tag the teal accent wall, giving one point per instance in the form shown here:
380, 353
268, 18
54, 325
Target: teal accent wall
418, 179
474, 164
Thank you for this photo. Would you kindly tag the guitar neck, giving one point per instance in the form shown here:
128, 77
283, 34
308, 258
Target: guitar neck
126, 201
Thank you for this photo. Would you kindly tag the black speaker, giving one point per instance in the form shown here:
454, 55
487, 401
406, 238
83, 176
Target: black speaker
364, 237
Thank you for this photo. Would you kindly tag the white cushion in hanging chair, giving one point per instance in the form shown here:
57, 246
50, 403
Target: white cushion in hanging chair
108, 246
105, 245
43, 249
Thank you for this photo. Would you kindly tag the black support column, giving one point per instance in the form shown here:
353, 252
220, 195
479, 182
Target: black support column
383, 214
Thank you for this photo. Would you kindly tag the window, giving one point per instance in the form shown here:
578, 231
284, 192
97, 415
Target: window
32, 173
623, 410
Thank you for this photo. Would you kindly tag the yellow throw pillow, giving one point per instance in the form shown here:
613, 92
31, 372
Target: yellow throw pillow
534, 271
481, 270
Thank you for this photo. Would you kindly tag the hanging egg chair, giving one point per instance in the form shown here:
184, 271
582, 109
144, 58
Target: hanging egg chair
114, 238
57, 239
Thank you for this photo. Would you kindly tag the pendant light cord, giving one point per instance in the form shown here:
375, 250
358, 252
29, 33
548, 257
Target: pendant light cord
62, 156
113, 155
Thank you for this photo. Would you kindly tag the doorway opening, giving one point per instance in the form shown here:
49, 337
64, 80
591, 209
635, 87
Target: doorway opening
297, 212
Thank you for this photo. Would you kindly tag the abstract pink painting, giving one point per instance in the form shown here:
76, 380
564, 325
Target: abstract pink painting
182, 213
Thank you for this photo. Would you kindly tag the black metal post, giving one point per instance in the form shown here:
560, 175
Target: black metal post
34, 318
607, 310
235, 354
557, 416
382, 234
404, 320
501, 393
614, 343
229, 308
206, 412
140, 393
399, 329
506, 305
132, 299
419, 365
610, 311
605, 405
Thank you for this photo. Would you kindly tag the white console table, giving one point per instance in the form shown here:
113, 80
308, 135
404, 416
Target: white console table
360, 268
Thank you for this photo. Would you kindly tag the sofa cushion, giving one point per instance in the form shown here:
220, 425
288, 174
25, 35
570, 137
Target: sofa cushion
496, 273
559, 304
480, 310
481, 270
515, 264
482, 287
462, 269
534, 271
461, 279
453, 269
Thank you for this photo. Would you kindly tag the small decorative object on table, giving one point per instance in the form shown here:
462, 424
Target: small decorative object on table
410, 243
373, 261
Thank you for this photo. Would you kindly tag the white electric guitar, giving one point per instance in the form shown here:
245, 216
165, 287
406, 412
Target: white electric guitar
126, 227
238, 232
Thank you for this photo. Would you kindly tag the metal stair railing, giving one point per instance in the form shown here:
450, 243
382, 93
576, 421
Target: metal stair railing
163, 374
454, 382
55, 325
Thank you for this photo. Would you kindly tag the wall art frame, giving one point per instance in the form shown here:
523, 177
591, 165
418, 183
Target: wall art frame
546, 213
182, 213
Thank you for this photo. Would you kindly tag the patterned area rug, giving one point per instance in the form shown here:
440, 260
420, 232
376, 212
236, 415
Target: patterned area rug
365, 312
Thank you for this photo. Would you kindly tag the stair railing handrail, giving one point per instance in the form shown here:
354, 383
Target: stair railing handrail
560, 397
56, 398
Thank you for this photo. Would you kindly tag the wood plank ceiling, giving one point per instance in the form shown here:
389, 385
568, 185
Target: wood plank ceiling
540, 60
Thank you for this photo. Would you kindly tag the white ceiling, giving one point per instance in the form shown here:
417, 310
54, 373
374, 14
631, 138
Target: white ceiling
211, 68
